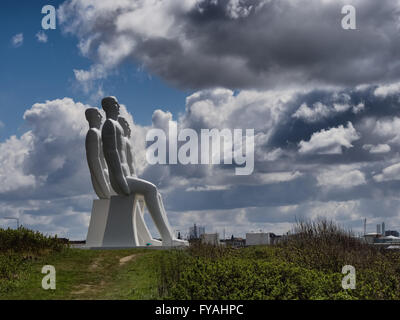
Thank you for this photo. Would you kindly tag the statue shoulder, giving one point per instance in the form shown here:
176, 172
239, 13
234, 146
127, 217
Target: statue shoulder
108, 126
92, 135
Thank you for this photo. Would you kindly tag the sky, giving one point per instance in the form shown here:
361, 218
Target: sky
323, 102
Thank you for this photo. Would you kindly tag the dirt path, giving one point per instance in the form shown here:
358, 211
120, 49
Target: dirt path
97, 266
126, 259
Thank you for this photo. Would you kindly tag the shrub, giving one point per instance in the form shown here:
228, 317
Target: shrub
28, 241
305, 265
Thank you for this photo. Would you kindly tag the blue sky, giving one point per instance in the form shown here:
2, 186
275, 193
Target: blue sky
324, 103
36, 72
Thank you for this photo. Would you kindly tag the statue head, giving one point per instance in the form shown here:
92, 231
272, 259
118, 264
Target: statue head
125, 125
94, 117
111, 107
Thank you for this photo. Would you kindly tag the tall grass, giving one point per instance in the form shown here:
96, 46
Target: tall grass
24, 240
18, 248
307, 264
325, 246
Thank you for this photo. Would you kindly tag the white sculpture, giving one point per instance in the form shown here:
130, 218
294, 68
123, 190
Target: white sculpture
95, 157
100, 179
117, 217
123, 178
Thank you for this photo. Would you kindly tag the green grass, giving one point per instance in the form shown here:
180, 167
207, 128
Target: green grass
307, 265
91, 274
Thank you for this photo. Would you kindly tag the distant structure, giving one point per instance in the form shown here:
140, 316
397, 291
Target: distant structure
261, 238
235, 242
392, 233
365, 226
378, 229
196, 232
210, 238
383, 229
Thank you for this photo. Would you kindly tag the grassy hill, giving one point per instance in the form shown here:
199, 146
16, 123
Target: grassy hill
306, 265
91, 274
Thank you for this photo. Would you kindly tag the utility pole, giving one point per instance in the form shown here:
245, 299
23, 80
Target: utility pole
365, 226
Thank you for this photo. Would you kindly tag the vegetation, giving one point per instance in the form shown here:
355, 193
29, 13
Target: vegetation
18, 248
305, 265
80, 274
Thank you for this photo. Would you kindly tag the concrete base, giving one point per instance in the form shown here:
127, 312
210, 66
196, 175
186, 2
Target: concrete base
121, 228
119, 223
98, 221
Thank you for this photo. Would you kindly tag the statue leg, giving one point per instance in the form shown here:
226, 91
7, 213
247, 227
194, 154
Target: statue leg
155, 207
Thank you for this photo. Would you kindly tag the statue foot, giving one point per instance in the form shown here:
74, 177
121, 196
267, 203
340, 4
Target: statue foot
154, 243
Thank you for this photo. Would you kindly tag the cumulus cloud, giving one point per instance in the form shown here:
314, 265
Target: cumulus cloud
17, 40
257, 43
331, 141
301, 169
12, 154
387, 90
388, 128
318, 112
380, 148
341, 177
41, 36
390, 173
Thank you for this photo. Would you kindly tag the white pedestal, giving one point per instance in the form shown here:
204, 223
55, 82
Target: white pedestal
119, 223
97, 224
121, 228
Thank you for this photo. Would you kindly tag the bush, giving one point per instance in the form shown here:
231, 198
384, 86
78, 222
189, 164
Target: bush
17, 249
28, 241
306, 265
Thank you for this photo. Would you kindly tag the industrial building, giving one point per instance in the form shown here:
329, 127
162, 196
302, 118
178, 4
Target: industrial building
260, 238
210, 239
196, 232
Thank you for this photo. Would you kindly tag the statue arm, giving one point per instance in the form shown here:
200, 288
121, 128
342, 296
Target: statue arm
131, 161
94, 162
112, 156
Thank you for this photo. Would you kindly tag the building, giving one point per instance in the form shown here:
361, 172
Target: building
372, 237
210, 238
195, 232
235, 242
261, 238
392, 233
378, 229
388, 240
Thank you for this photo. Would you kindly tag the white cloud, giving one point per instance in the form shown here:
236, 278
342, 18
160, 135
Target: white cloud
307, 114
320, 111
17, 40
330, 141
341, 177
388, 128
380, 148
12, 155
51, 179
387, 90
390, 173
195, 56
41, 36
277, 177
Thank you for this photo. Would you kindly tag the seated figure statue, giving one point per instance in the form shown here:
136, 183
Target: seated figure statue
123, 180
94, 154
